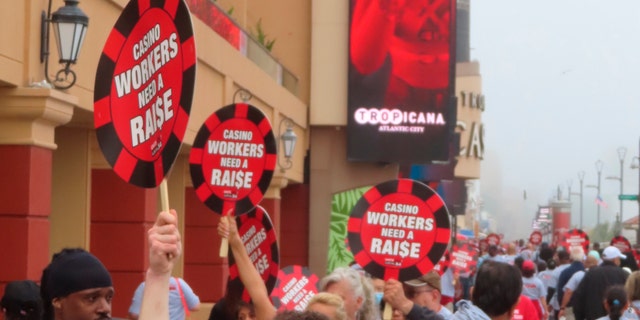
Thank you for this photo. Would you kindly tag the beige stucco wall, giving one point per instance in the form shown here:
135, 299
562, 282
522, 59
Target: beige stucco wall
332, 173
469, 86
329, 64
221, 70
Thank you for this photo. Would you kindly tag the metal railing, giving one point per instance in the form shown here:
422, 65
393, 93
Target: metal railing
219, 21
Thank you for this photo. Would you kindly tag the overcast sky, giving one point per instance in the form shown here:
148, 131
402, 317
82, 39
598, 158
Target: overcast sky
562, 86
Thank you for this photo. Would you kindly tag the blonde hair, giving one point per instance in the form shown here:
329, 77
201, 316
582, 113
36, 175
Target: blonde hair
332, 300
632, 286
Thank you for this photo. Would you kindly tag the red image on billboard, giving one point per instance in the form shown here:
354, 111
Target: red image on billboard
535, 238
144, 88
259, 239
399, 229
493, 239
621, 243
295, 286
402, 59
463, 258
574, 238
233, 158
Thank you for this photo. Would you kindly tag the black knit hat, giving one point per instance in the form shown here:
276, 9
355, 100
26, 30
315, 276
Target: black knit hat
72, 271
22, 298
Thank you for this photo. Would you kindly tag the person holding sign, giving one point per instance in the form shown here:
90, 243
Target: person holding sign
165, 247
395, 297
264, 309
228, 229
76, 285
426, 291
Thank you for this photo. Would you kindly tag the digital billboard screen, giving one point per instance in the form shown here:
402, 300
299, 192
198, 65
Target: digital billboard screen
401, 76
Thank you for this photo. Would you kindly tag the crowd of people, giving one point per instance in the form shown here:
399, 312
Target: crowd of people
507, 283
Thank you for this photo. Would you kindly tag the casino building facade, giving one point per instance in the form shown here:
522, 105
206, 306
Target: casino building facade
57, 190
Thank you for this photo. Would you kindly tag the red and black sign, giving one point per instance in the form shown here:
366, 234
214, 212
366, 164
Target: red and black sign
575, 238
399, 229
621, 243
493, 239
535, 238
443, 264
296, 285
233, 158
259, 238
144, 88
636, 255
463, 258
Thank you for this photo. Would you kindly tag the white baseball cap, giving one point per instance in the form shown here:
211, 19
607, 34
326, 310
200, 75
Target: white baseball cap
611, 253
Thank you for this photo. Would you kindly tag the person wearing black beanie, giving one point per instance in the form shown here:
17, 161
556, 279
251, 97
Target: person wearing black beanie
76, 285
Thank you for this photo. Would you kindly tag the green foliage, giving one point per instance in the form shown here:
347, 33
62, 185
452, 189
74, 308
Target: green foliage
602, 233
261, 37
341, 205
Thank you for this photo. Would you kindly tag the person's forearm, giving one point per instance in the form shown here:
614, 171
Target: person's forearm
566, 298
252, 281
155, 301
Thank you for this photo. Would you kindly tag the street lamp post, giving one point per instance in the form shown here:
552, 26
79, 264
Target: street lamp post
622, 151
581, 178
599, 165
635, 164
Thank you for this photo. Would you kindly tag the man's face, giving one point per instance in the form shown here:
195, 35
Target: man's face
426, 296
89, 304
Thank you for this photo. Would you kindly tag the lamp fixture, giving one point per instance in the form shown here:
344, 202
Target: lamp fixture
69, 27
245, 95
288, 138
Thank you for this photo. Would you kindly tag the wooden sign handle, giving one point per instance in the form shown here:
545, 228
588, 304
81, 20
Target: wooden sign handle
388, 312
224, 245
164, 195
164, 202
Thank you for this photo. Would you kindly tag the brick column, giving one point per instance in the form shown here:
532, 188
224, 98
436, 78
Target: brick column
272, 199
204, 270
121, 214
28, 118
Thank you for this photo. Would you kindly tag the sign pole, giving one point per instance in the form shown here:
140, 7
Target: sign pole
388, 312
164, 195
224, 244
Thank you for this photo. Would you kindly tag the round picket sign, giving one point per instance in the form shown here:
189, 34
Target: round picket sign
575, 237
493, 239
636, 255
621, 243
144, 88
259, 238
443, 264
296, 285
535, 238
463, 258
399, 229
233, 158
